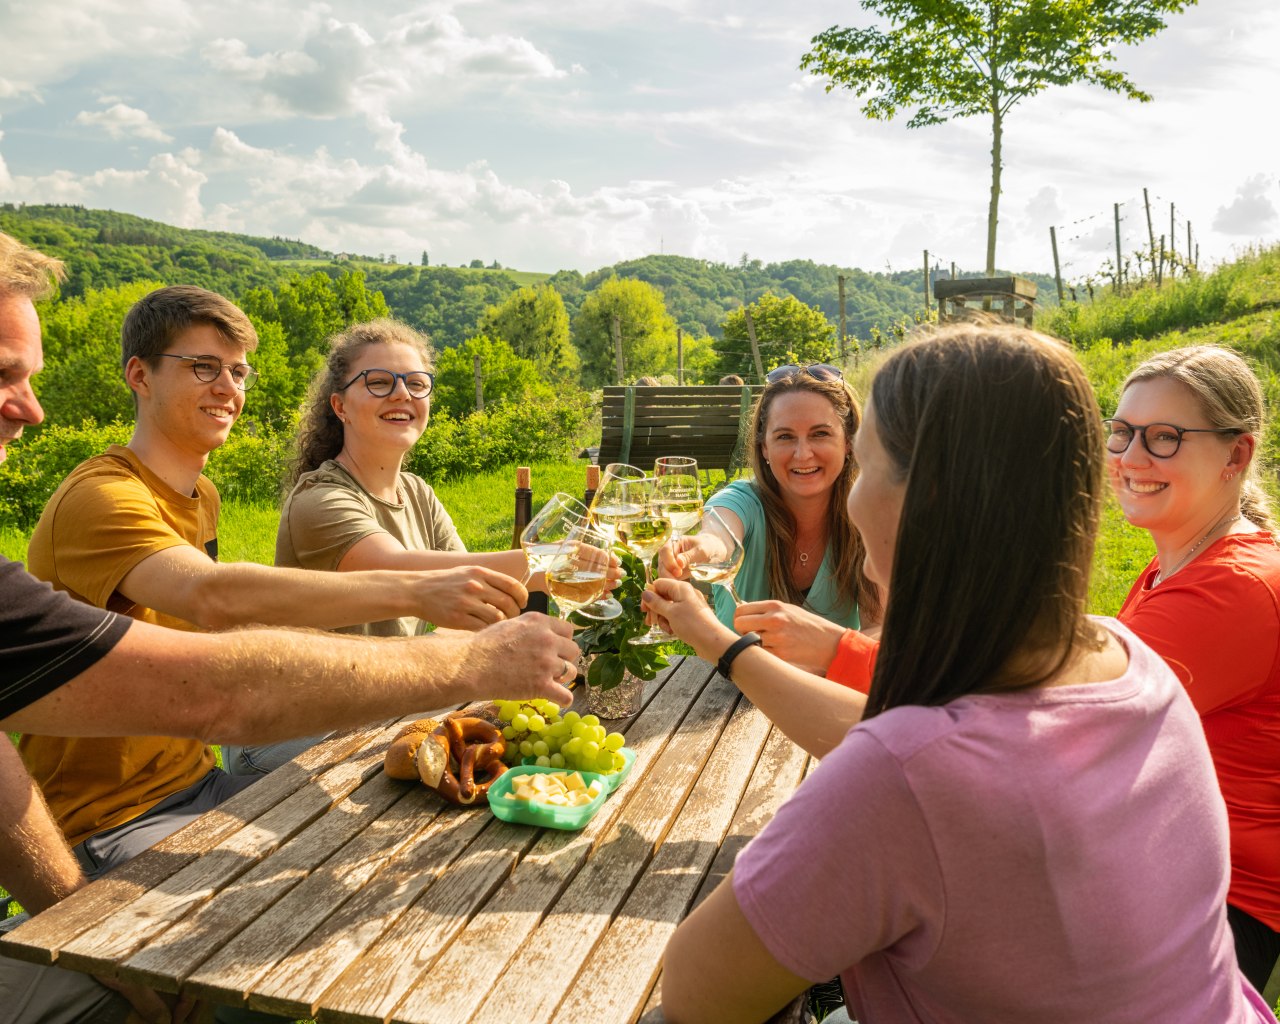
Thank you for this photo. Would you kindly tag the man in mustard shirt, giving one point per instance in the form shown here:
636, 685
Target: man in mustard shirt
134, 530
69, 669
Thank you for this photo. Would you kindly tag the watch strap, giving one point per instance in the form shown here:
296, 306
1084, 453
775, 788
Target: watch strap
725, 665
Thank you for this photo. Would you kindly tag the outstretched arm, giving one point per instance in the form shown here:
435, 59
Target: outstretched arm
262, 685
182, 581
812, 711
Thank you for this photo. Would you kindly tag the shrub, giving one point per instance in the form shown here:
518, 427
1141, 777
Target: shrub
507, 434
37, 466
251, 466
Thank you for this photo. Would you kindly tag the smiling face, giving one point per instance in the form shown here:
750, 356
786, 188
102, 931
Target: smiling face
875, 500
394, 422
804, 444
20, 358
192, 416
1194, 486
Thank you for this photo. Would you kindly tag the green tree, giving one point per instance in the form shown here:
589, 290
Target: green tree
506, 377
648, 332
787, 331
962, 58
533, 321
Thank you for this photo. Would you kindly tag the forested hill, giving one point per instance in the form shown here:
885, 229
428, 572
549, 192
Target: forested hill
105, 249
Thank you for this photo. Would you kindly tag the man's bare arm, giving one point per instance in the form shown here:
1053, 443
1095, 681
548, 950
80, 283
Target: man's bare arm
181, 581
262, 685
35, 864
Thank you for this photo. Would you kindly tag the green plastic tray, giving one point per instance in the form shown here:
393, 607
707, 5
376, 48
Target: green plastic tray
525, 812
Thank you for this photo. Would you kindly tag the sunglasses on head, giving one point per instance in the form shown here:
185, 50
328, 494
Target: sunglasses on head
818, 371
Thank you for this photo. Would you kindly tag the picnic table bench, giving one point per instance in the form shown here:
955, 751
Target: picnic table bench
328, 889
705, 422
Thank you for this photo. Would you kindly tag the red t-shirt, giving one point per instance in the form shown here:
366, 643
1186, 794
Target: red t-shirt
1217, 624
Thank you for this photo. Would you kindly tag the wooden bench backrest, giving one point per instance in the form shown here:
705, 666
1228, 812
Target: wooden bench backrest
705, 422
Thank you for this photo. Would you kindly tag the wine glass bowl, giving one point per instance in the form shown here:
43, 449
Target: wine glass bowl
718, 556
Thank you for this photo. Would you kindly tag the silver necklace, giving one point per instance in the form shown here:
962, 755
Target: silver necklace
1161, 575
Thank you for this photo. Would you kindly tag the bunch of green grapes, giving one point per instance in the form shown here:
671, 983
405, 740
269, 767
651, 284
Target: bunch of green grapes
537, 729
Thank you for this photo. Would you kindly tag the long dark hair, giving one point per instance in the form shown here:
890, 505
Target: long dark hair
998, 436
320, 435
843, 541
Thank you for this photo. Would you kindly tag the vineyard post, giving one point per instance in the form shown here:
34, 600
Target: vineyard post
1190, 261
617, 347
1057, 270
475, 364
1173, 242
927, 305
844, 335
755, 345
1160, 271
1118, 280
1151, 233
679, 355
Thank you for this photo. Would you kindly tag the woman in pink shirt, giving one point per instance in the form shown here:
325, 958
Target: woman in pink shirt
1025, 825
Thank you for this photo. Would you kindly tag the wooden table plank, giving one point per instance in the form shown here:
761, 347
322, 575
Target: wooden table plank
777, 774
625, 964
230, 974
173, 956
294, 984
41, 939
100, 950
566, 937
479, 955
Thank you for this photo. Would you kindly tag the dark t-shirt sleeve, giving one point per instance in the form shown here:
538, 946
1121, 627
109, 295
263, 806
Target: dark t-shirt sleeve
46, 637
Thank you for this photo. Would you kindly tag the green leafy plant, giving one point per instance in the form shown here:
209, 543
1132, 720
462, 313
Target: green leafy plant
608, 640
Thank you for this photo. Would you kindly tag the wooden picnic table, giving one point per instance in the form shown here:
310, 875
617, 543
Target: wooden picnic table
329, 890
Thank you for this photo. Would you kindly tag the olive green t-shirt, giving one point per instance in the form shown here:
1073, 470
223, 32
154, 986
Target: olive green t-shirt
328, 513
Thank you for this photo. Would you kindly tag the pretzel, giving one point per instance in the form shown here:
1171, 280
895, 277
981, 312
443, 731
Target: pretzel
402, 756
456, 753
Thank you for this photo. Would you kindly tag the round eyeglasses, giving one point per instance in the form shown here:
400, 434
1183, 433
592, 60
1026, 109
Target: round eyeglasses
209, 368
1161, 440
381, 383
818, 371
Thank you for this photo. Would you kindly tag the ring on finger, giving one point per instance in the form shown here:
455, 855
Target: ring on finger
570, 670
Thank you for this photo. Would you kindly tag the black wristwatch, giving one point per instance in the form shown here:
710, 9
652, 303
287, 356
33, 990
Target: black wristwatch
725, 665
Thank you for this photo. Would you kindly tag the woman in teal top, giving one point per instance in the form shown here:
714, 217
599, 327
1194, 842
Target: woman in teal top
801, 579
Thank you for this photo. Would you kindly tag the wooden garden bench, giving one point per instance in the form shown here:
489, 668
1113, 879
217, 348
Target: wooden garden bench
705, 422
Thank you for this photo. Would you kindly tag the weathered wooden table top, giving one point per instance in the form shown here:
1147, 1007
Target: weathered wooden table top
330, 890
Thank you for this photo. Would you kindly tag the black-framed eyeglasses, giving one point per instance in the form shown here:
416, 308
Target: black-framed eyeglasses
381, 383
209, 368
1161, 440
818, 371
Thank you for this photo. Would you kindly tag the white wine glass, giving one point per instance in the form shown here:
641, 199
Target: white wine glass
644, 535
678, 493
547, 530
578, 572
619, 497
718, 556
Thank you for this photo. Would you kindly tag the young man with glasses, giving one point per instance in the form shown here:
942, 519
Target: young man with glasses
71, 669
134, 530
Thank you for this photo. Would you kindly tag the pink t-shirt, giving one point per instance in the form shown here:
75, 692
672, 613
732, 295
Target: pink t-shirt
1057, 855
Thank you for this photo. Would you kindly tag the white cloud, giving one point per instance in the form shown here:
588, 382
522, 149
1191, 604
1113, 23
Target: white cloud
1251, 211
120, 121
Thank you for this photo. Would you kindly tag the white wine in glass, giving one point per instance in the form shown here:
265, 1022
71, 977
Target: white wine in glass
578, 573
678, 493
718, 556
644, 538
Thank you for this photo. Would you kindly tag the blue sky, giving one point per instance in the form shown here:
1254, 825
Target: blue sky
568, 133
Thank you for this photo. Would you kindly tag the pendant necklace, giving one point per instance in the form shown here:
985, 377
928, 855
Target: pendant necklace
1161, 575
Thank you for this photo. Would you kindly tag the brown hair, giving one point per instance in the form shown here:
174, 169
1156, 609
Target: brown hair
1229, 395
997, 433
154, 320
26, 272
843, 541
320, 434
